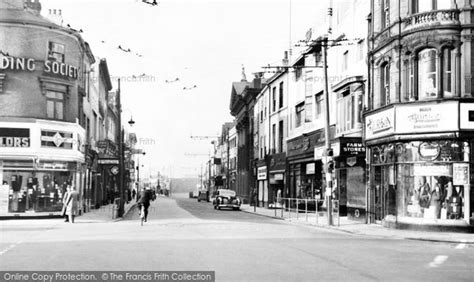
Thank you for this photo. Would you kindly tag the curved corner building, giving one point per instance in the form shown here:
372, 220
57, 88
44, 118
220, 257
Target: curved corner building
419, 121
41, 126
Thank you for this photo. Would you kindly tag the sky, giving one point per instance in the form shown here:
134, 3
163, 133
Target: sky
201, 42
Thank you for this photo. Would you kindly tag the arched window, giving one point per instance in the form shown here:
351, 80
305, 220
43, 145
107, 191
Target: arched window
427, 74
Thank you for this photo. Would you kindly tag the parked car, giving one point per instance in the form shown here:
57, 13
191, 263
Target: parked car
226, 199
203, 196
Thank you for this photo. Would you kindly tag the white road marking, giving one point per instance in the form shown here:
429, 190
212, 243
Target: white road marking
7, 249
462, 245
438, 260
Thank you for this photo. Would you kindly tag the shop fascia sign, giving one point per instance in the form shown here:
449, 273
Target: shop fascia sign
427, 118
379, 124
14, 137
29, 64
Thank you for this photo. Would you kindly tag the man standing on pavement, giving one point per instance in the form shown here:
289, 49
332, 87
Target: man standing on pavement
72, 204
144, 198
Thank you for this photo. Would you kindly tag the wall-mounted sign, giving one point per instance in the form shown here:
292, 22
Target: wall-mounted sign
429, 151
15, 137
352, 148
466, 112
460, 174
53, 165
57, 139
108, 161
427, 118
310, 168
428, 169
262, 173
380, 124
28, 64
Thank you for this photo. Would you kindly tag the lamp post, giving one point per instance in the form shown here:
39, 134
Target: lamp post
121, 178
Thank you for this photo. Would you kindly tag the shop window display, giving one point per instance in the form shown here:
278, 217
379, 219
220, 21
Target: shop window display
36, 191
428, 182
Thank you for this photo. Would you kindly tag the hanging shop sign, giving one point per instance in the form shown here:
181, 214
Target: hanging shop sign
427, 118
460, 174
380, 124
29, 64
262, 173
15, 137
114, 170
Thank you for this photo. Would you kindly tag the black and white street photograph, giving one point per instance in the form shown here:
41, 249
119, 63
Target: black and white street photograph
236, 140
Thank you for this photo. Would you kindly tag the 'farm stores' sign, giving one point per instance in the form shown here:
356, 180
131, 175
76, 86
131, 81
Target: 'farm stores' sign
380, 124
28, 64
427, 118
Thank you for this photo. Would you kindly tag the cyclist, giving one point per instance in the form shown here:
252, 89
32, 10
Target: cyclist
144, 198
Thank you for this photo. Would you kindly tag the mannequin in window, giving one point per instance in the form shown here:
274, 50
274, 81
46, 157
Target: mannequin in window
424, 190
436, 199
454, 203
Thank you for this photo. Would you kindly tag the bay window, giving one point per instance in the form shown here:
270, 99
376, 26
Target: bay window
349, 106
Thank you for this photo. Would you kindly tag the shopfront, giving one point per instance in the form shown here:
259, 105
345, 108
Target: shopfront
305, 178
421, 181
277, 166
262, 181
350, 178
421, 170
38, 163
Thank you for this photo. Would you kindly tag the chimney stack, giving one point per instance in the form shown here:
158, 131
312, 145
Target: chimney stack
55, 16
285, 59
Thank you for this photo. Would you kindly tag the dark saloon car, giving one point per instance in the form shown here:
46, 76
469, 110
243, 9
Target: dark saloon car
226, 199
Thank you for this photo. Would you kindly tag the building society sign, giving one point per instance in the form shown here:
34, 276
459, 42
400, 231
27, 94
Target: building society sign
28, 64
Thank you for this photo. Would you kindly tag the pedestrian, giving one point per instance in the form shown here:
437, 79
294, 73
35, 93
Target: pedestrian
134, 193
144, 198
65, 199
72, 204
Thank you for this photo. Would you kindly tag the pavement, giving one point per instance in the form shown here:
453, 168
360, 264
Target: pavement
105, 214
343, 224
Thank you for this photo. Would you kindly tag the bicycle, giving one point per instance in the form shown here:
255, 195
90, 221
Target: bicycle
142, 214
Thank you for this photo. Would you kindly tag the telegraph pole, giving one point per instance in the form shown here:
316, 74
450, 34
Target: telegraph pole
328, 154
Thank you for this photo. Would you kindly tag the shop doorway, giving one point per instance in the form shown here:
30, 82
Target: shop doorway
383, 193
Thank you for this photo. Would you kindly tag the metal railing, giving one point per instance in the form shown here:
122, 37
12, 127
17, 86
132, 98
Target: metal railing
312, 210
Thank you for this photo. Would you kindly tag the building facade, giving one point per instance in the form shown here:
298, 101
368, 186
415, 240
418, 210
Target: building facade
418, 122
42, 137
